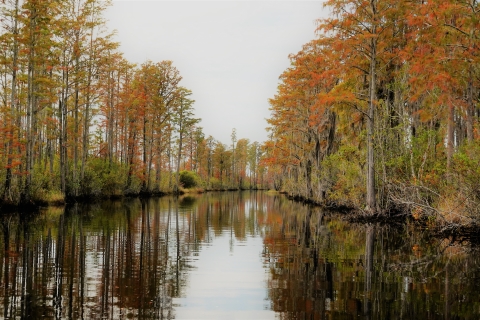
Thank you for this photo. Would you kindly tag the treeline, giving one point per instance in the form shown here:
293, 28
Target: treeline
381, 111
77, 119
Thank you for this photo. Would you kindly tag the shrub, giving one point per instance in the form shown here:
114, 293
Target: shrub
215, 184
342, 178
189, 179
101, 178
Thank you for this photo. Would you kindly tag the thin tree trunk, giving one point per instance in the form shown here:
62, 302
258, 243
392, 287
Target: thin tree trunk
86, 126
75, 137
30, 109
470, 105
63, 133
371, 201
110, 121
150, 158
169, 156
144, 138
177, 178
131, 153
158, 171
8, 177
450, 135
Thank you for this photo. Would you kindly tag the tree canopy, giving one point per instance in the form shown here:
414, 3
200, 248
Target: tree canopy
381, 111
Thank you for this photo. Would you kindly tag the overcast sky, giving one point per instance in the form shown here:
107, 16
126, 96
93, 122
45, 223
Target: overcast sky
230, 53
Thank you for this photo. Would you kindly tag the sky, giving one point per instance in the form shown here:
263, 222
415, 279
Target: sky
229, 53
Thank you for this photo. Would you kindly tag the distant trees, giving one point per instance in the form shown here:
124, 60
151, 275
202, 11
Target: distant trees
381, 110
77, 119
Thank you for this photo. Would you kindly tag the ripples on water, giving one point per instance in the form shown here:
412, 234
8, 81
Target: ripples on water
235, 255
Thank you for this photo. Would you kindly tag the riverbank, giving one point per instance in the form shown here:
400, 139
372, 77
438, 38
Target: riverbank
434, 222
57, 199
396, 216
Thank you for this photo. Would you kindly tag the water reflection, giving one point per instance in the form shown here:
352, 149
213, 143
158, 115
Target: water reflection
248, 254
324, 268
114, 260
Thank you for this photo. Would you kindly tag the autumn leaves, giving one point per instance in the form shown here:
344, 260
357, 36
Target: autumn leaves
386, 96
79, 120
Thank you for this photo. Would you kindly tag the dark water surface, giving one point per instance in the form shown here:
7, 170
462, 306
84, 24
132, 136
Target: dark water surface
248, 255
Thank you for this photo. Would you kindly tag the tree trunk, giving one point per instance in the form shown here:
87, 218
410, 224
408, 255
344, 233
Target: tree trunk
75, 113
86, 117
150, 156
30, 107
62, 105
169, 156
177, 178
450, 135
86, 127
470, 105
371, 201
144, 139
8, 176
158, 169
131, 153
110, 120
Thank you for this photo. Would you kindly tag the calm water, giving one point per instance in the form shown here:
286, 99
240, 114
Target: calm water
233, 255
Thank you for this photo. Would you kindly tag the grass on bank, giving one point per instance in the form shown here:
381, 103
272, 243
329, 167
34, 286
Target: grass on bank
54, 198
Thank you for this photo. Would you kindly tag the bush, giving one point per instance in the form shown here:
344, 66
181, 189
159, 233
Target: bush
215, 184
102, 178
42, 184
342, 177
189, 179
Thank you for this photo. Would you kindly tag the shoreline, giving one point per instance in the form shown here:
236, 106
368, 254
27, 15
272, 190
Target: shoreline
395, 216
35, 205
352, 215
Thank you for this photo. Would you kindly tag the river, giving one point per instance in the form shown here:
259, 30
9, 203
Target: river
230, 255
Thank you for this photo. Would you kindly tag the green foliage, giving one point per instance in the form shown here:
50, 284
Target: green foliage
189, 179
215, 184
343, 178
103, 178
466, 166
42, 184
464, 186
92, 182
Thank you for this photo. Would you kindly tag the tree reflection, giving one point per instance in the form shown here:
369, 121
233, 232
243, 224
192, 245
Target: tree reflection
113, 260
325, 268
131, 259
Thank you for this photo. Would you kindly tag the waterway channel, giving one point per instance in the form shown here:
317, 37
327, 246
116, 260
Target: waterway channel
231, 255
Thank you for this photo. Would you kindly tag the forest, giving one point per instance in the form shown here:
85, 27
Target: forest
380, 112
78, 120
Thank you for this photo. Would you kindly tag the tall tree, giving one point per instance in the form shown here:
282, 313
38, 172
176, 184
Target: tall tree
362, 30
11, 40
184, 120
